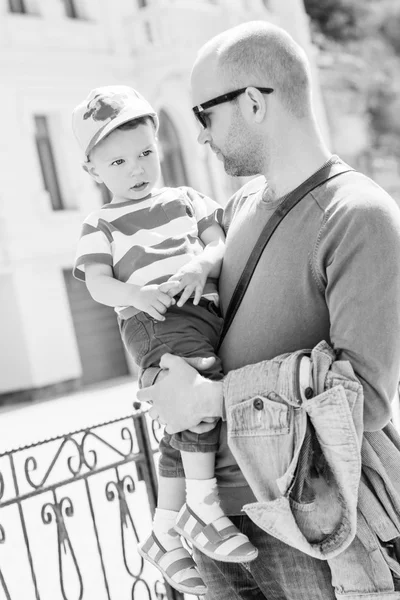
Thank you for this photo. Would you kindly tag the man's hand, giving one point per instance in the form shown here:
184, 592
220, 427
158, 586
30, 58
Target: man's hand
154, 299
191, 279
182, 398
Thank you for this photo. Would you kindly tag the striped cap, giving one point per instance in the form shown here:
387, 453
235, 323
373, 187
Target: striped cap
105, 109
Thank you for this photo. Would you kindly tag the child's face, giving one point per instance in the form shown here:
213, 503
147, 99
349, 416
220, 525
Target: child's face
127, 162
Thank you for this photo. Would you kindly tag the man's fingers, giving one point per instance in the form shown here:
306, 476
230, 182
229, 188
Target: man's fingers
144, 395
202, 427
171, 430
153, 413
201, 364
169, 360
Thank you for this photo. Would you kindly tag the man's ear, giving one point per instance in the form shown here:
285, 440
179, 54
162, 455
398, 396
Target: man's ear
256, 104
90, 168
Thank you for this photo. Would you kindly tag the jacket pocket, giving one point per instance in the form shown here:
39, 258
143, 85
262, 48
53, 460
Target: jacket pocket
258, 416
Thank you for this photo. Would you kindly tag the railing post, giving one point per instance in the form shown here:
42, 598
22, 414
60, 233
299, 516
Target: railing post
149, 475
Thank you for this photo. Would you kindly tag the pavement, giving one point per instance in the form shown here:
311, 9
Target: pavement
37, 421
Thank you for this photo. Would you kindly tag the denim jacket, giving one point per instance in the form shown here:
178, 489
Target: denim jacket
267, 431
321, 485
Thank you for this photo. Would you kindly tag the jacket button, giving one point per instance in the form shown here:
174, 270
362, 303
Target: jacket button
309, 393
258, 404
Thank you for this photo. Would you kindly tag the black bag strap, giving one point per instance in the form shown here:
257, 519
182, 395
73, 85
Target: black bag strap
329, 171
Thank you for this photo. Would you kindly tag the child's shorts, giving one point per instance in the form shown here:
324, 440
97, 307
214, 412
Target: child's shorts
189, 331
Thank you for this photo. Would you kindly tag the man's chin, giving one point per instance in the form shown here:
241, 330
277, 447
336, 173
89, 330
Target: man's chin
232, 169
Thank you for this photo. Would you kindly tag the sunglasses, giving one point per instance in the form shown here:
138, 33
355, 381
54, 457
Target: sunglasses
200, 108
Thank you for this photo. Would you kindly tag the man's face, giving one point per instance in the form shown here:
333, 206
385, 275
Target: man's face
227, 133
127, 162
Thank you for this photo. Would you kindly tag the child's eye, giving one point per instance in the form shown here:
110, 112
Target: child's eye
118, 162
146, 153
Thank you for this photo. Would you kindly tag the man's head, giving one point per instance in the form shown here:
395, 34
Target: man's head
257, 57
116, 129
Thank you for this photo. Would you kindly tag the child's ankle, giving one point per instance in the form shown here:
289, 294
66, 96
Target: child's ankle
202, 497
163, 528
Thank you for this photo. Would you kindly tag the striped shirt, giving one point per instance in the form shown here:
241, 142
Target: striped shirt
147, 241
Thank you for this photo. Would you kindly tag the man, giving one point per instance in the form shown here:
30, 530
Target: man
330, 272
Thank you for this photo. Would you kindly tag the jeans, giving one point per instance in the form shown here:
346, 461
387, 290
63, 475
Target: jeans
280, 572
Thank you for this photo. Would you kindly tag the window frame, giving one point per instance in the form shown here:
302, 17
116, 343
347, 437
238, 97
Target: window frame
47, 161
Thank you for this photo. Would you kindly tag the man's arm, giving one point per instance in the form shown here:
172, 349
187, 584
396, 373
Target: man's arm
356, 264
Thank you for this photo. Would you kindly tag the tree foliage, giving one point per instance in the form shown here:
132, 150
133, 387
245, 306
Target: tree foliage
370, 31
390, 28
339, 20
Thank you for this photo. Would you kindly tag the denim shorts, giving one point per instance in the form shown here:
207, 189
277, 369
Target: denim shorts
189, 331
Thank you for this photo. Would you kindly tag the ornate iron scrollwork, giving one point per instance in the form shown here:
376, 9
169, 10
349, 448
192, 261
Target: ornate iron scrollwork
65, 549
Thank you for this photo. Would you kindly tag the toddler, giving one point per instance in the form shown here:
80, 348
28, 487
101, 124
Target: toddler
154, 255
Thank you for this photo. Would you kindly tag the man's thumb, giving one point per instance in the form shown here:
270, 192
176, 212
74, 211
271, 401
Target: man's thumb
201, 363
167, 361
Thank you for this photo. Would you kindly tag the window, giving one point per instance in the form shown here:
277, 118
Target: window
17, 6
172, 165
149, 32
23, 7
74, 9
47, 162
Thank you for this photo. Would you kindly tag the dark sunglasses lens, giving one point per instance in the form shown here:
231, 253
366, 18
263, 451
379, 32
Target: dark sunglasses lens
200, 119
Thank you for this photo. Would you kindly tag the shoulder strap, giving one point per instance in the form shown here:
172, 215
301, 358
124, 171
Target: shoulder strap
327, 172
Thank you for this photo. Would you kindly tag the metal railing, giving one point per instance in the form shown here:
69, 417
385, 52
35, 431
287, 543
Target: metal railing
72, 510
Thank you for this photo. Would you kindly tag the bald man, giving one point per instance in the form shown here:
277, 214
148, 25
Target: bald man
330, 272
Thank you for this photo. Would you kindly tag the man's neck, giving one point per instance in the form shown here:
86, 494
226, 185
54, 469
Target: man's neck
289, 167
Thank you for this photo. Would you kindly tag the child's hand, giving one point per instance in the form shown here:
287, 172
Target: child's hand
170, 287
191, 278
152, 300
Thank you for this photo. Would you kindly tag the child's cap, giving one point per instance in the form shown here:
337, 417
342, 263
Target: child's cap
105, 109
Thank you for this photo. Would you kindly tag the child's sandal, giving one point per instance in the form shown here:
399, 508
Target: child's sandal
177, 566
219, 540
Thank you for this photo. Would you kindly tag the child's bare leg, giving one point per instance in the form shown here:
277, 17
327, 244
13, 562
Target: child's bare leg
171, 493
201, 485
171, 497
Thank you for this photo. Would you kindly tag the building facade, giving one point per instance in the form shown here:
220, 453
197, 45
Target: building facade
52, 53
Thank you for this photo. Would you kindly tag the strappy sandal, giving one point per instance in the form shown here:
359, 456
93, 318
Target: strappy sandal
177, 566
219, 540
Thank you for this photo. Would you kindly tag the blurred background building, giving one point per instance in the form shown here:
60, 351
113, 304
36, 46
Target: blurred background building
54, 336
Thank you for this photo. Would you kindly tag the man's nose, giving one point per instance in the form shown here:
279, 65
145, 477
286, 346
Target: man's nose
203, 137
